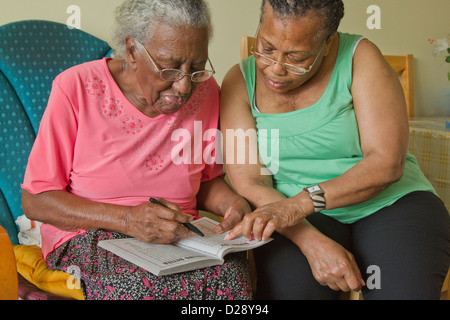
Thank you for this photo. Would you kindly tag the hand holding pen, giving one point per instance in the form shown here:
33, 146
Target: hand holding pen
154, 223
186, 224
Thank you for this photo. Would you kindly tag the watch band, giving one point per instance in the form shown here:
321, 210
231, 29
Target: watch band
317, 195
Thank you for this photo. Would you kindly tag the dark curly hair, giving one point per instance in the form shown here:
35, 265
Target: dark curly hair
332, 10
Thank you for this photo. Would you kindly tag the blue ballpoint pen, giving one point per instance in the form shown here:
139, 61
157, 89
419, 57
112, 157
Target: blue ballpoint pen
187, 225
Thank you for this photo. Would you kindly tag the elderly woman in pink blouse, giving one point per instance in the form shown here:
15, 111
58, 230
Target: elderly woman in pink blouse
105, 147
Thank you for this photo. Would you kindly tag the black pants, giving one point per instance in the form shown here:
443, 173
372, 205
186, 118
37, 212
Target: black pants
403, 250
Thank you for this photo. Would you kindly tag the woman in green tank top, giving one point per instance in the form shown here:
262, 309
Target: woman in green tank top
332, 130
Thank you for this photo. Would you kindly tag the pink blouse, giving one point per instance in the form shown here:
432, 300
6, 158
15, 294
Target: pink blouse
95, 144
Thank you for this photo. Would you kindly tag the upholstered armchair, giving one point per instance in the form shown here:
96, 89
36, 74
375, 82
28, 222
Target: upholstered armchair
32, 54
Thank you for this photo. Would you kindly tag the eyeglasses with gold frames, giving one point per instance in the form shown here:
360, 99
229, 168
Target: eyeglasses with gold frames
176, 75
297, 70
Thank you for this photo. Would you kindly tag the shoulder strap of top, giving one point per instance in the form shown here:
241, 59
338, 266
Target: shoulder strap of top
248, 71
343, 69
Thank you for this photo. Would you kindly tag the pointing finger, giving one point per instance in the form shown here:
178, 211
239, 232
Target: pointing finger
236, 231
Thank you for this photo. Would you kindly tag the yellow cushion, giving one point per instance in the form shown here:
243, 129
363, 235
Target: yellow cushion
31, 265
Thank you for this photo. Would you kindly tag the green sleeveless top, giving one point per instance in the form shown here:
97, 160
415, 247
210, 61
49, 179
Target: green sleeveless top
318, 143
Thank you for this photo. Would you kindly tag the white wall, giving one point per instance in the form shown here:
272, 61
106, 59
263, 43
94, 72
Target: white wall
406, 26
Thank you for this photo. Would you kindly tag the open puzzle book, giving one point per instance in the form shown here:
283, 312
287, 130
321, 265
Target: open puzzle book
191, 253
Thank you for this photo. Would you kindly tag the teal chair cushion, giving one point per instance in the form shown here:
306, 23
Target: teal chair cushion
16, 139
32, 54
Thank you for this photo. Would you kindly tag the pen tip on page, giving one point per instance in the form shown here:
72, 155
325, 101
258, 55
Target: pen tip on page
193, 229
187, 224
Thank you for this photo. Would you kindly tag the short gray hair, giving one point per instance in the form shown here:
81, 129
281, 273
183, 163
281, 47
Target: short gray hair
138, 19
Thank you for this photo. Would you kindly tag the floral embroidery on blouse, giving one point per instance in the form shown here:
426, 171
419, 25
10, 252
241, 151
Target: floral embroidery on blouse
95, 87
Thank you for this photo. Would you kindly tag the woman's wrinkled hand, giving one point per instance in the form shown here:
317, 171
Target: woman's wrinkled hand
261, 223
332, 265
154, 223
233, 215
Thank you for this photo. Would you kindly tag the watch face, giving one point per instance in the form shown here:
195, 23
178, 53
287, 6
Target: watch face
313, 189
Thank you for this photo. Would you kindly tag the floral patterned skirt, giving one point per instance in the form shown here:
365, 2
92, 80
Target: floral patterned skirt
105, 275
